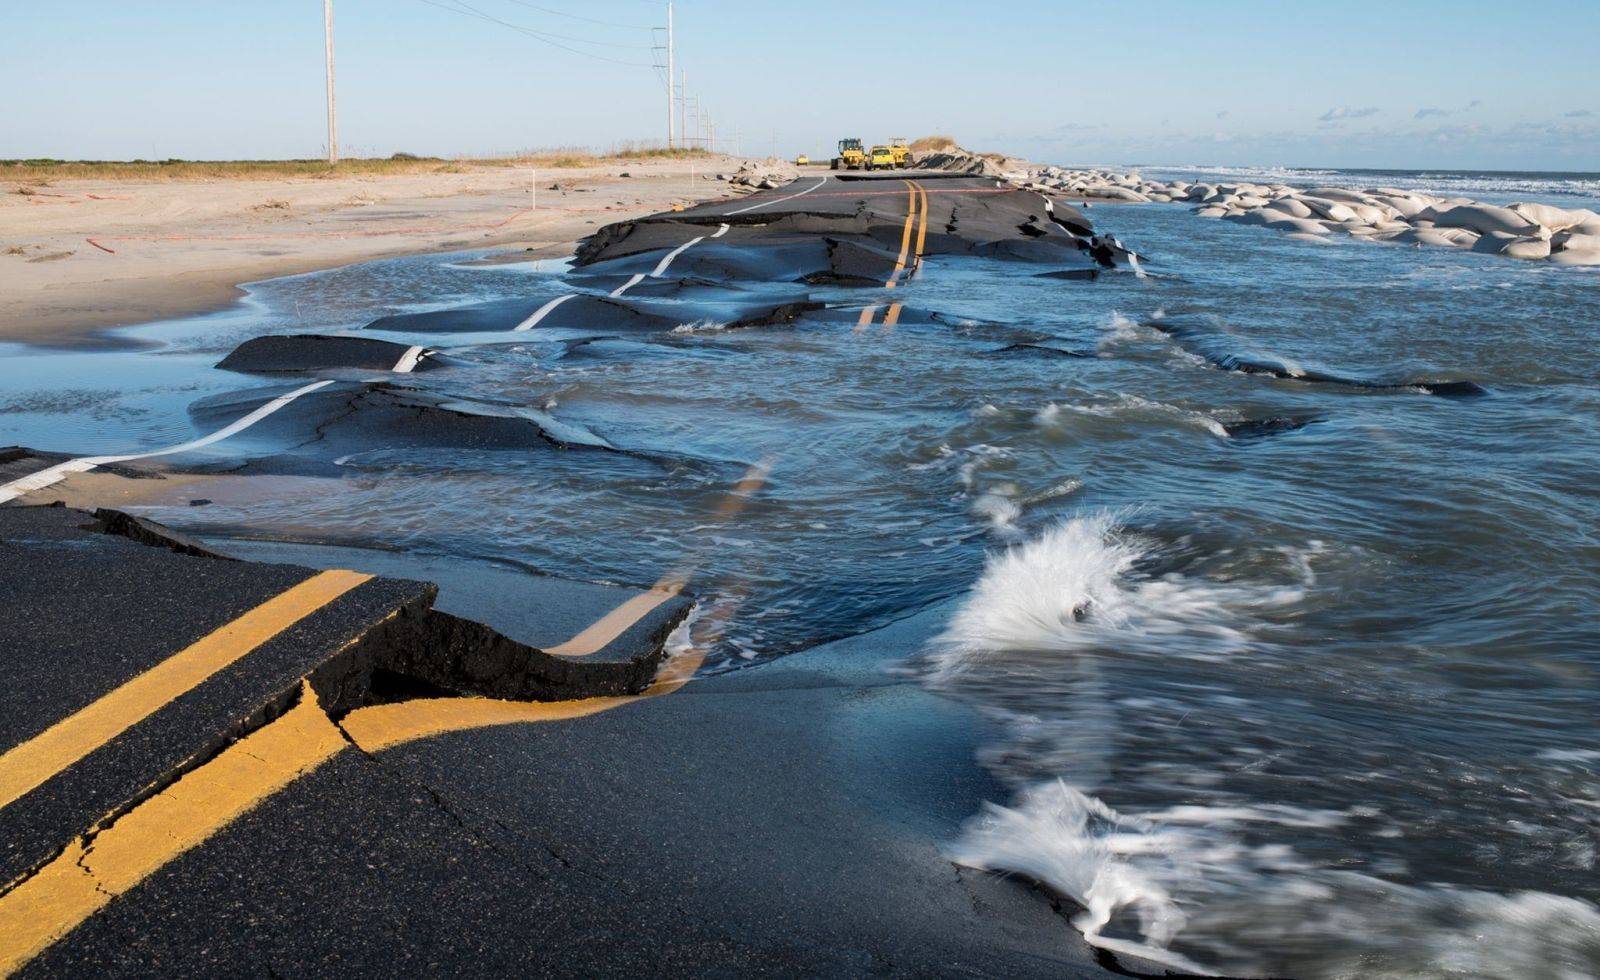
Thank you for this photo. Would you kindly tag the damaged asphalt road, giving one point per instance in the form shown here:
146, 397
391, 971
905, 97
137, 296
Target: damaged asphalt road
135, 655
855, 230
438, 767
784, 822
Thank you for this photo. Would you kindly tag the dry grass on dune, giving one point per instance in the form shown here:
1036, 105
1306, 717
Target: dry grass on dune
39, 170
933, 144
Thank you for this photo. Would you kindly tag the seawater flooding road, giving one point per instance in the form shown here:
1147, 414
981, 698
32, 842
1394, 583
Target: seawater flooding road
296, 770
1289, 572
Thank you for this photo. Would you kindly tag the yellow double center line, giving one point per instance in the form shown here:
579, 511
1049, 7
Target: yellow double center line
36, 761
916, 200
890, 318
96, 868
101, 865
910, 256
619, 620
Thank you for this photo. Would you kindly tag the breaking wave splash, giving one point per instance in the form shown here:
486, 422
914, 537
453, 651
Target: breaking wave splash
1180, 888
1202, 881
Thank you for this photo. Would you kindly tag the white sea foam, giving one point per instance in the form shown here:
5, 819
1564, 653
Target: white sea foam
1132, 407
1189, 893
1119, 330
1200, 886
1029, 596
979, 457
999, 510
1442, 183
700, 326
941, 457
1060, 489
1069, 590
1078, 846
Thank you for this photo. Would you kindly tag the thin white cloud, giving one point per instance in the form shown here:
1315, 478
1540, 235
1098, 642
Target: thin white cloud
1345, 112
1431, 111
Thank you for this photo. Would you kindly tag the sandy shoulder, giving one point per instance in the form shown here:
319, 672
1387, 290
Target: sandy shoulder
79, 256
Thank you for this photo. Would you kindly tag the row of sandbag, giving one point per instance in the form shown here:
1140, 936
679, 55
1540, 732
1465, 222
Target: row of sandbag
1522, 231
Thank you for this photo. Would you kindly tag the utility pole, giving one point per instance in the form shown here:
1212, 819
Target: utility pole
683, 106
333, 113
671, 134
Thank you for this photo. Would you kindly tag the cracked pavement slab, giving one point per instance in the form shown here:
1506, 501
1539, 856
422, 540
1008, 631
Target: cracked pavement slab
127, 661
428, 814
784, 821
137, 656
834, 229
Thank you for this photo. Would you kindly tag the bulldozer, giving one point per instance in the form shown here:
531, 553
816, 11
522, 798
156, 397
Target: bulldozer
851, 155
901, 151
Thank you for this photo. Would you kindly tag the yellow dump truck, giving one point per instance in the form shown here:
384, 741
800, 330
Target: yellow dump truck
901, 151
851, 155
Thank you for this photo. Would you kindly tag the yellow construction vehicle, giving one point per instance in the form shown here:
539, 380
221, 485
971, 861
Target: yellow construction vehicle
881, 158
902, 152
851, 156
802, 161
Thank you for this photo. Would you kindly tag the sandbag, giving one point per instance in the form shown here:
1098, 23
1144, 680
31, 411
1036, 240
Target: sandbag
1484, 219
1576, 256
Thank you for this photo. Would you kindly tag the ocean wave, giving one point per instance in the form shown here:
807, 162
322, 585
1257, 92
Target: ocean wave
1120, 330
1181, 888
1443, 183
999, 510
1071, 588
701, 326
1275, 174
1124, 406
1202, 881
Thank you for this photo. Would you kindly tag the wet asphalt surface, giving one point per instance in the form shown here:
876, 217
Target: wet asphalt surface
781, 821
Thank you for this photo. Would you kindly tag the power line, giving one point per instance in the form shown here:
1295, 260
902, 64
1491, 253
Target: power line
546, 34
470, 11
591, 20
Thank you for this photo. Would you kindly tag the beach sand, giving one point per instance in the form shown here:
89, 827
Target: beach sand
80, 256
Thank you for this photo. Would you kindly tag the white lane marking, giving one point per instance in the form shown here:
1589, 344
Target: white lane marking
83, 464
542, 312
408, 360
666, 260
780, 200
638, 277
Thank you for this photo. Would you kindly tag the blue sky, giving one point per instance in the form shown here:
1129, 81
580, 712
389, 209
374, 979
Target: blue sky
1404, 83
